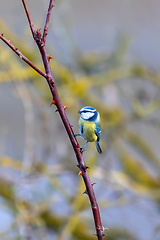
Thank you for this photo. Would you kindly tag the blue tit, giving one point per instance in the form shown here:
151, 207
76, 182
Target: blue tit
90, 126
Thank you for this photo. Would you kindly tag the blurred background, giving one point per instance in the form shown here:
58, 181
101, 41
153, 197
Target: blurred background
106, 54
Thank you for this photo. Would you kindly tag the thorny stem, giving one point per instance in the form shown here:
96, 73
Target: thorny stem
22, 56
47, 22
81, 164
29, 18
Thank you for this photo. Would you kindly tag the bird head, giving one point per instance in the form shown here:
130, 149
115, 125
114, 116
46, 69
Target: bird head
89, 113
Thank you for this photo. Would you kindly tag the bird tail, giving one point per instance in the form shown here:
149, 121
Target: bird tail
98, 147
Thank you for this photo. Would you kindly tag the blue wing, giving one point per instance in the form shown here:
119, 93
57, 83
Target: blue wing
98, 132
81, 129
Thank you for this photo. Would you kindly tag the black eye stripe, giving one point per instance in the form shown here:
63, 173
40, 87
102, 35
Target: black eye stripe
84, 111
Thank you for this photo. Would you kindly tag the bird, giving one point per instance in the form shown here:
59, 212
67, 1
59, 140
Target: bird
90, 126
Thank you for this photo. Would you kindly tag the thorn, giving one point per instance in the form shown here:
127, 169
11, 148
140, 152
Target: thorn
94, 208
83, 150
93, 183
9, 40
2, 34
42, 43
52, 102
20, 56
104, 228
84, 167
80, 173
51, 82
78, 146
103, 234
45, 29
64, 108
49, 57
85, 192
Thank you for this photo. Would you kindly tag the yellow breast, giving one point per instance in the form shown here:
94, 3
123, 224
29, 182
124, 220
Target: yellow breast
89, 130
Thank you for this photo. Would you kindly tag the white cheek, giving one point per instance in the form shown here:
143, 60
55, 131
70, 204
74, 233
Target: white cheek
87, 115
98, 118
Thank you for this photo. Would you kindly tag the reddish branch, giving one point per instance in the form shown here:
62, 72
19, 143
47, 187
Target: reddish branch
22, 56
29, 17
40, 40
47, 22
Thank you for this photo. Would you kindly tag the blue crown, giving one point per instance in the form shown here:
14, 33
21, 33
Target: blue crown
87, 108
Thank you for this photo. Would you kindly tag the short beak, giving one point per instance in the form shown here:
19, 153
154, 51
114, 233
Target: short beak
79, 112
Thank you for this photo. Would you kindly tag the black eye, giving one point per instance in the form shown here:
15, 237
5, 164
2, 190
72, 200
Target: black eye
84, 111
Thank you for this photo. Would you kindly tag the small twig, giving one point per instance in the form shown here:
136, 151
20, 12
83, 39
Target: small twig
47, 21
22, 56
29, 18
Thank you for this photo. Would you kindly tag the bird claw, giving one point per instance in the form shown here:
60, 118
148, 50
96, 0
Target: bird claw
75, 135
82, 150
